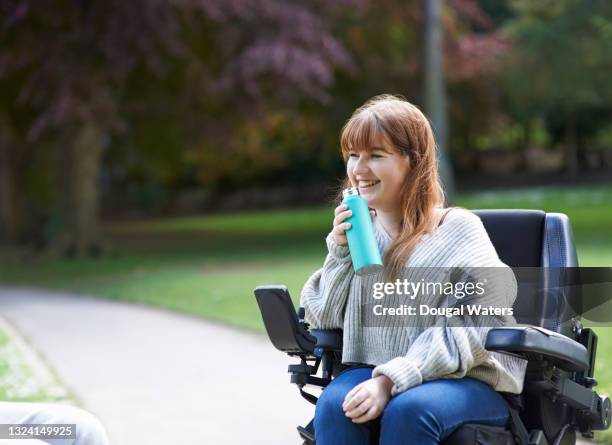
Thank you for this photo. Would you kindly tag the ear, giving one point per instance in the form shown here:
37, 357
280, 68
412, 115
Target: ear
407, 161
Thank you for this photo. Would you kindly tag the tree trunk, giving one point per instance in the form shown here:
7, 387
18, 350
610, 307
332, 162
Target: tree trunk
435, 90
10, 214
81, 191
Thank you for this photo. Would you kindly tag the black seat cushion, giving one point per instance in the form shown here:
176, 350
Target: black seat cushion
475, 434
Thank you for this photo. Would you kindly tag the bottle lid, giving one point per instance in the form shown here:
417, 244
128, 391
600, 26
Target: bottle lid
351, 191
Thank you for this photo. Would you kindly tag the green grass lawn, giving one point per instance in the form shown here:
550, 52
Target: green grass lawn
19, 382
208, 266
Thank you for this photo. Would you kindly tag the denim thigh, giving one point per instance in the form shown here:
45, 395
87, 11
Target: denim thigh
332, 427
430, 412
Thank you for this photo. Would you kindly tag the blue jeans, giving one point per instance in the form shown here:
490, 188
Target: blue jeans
423, 415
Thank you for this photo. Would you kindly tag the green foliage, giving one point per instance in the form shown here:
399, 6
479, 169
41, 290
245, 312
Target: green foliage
603, 138
564, 47
218, 107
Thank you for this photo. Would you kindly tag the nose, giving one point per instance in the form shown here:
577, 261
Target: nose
361, 166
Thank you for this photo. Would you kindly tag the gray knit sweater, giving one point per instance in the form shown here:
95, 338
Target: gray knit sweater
432, 346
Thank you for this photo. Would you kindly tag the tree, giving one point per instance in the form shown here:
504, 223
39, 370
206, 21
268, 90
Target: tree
565, 48
72, 62
435, 90
474, 48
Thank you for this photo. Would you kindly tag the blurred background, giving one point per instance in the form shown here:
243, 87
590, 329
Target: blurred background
180, 153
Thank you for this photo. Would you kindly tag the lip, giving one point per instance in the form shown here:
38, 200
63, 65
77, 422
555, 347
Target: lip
366, 180
365, 190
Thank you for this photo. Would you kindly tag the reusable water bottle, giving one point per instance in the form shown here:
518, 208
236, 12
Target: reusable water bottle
362, 243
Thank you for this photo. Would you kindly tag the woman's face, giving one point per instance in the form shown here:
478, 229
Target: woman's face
379, 175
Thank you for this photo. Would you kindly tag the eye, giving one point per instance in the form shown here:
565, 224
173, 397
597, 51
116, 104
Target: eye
376, 155
353, 155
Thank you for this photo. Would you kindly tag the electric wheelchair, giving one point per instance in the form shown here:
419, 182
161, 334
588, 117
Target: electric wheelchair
558, 399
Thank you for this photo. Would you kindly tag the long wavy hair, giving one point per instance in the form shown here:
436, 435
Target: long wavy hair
405, 129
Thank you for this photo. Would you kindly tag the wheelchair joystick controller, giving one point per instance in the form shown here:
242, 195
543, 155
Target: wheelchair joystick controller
301, 316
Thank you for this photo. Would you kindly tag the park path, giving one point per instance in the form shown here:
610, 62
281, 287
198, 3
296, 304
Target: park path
157, 377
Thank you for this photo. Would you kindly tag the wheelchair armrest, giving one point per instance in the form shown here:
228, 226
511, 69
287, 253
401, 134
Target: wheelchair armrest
328, 339
287, 333
562, 351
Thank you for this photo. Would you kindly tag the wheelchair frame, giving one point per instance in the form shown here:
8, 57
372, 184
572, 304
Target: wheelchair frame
559, 377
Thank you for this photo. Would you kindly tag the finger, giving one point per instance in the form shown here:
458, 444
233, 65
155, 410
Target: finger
351, 393
339, 229
342, 216
340, 208
360, 410
339, 235
370, 414
354, 400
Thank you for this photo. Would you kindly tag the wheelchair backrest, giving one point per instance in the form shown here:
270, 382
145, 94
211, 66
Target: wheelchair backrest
544, 243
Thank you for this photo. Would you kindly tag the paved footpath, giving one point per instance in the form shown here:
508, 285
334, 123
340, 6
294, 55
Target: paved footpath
156, 377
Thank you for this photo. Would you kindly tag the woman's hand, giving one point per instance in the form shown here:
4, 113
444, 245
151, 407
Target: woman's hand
367, 400
341, 213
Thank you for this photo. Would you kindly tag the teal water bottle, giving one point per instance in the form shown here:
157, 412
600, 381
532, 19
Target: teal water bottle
361, 240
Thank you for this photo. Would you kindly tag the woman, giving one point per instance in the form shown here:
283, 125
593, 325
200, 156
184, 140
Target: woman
413, 383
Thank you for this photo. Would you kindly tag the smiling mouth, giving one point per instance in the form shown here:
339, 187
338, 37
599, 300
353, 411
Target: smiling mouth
368, 184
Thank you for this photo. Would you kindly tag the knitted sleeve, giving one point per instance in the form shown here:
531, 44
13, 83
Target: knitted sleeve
325, 293
453, 346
